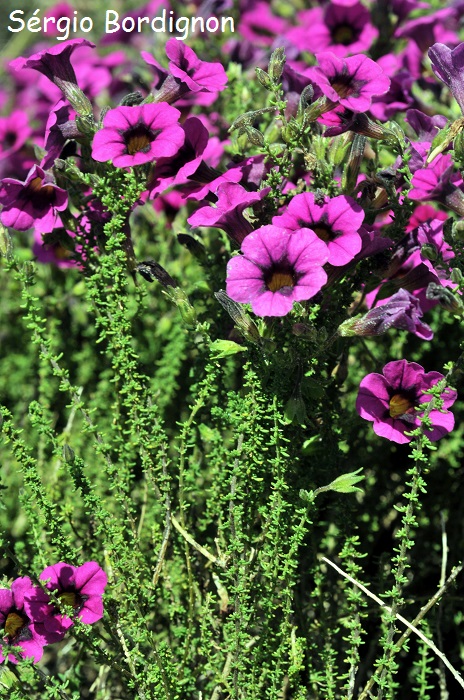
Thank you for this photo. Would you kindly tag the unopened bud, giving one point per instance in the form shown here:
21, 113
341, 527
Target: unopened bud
429, 251
276, 64
445, 298
456, 275
68, 454
263, 78
186, 310
6, 246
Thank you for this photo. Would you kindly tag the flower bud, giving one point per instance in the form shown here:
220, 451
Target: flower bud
276, 64
263, 78
186, 310
68, 454
225, 348
429, 251
456, 275
6, 247
445, 298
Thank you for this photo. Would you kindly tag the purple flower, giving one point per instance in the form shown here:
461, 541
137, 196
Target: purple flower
448, 65
19, 629
55, 64
260, 26
79, 589
426, 30
402, 310
351, 82
227, 213
438, 182
14, 131
395, 399
176, 170
338, 27
277, 268
32, 203
187, 73
58, 129
135, 135
335, 221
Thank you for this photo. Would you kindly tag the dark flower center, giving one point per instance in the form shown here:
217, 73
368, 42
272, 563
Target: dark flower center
71, 599
324, 232
139, 138
400, 404
16, 627
343, 34
281, 278
39, 194
9, 139
343, 85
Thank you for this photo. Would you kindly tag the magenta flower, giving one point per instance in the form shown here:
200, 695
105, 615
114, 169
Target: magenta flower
277, 268
19, 628
438, 182
55, 64
227, 214
337, 27
14, 132
187, 73
58, 130
395, 399
32, 203
335, 221
79, 589
448, 65
351, 82
135, 135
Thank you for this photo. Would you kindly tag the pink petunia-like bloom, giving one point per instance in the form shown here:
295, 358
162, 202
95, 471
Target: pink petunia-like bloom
277, 268
335, 221
79, 589
395, 400
439, 182
14, 132
55, 64
340, 28
187, 73
34, 203
227, 214
135, 135
18, 627
351, 82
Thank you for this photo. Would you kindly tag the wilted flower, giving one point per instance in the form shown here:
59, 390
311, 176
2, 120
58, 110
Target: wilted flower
402, 311
395, 399
277, 268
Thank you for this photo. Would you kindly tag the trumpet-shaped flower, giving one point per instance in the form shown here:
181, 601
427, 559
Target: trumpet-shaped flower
277, 268
79, 590
32, 203
18, 627
335, 221
351, 82
136, 135
395, 400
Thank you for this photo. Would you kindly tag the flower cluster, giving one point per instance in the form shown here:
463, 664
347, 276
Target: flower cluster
301, 229
30, 618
